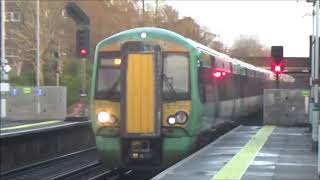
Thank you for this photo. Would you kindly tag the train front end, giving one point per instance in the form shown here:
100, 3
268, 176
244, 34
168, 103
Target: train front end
141, 100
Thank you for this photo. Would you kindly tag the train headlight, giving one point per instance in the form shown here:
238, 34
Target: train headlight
181, 117
171, 120
105, 117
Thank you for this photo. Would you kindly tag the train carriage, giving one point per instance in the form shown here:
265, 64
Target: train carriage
155, 92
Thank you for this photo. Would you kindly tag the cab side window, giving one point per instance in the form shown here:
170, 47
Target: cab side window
204, 78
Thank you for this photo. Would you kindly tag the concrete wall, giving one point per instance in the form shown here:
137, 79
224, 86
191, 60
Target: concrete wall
285, 107
31, 103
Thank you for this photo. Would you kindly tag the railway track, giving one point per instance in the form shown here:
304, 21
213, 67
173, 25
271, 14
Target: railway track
81, 165
58, 168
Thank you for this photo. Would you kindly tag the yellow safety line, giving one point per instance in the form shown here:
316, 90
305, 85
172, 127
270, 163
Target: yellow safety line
30, 125
238, 165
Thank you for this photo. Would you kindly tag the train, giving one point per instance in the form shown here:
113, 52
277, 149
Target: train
155, 94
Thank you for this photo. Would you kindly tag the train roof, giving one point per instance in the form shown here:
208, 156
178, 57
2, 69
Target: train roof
159, 33
235, 61
152, 32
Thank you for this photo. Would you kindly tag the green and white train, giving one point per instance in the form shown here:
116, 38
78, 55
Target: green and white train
155, 93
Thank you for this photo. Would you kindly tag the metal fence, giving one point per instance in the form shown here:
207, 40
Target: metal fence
36, 103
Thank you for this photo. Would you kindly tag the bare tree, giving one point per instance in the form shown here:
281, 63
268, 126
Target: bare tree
248, 46
219, 46
110, 16
52, 31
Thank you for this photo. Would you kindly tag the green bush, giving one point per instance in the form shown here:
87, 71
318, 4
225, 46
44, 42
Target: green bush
71, 78
25, 79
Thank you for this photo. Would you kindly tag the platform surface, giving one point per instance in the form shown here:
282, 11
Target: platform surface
11, 128
251, 153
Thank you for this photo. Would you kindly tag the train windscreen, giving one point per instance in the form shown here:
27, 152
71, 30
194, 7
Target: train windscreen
108, 76
176, 76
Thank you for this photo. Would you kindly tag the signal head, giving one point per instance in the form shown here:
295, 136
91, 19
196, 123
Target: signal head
83, 42
277, 52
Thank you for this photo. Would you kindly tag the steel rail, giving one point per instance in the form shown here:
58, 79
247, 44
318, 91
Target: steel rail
18, 170
74, 172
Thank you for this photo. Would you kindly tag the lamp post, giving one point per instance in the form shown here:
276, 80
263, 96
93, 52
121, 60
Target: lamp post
38, 55
4, 66
3, 33
316, 86
38, 43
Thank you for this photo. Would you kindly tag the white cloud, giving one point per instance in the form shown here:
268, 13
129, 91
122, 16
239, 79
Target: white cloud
274, 22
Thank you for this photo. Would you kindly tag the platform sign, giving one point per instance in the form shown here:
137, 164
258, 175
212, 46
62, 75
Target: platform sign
39, 92
26, 90
14, 92
4, 76
4, 87
4, 69
3, 108
305, 93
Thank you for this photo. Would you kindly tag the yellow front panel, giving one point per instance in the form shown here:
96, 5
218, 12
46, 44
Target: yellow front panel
140, 93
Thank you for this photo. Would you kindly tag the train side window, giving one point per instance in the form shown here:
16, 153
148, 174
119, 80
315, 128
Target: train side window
212, 60
227, 66
231, 69
204, 77
202, 82
218, 63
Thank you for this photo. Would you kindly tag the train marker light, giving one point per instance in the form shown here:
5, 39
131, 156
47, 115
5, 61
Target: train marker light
217, 74
143, 35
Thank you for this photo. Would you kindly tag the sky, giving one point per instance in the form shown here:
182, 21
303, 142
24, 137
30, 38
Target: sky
284, 23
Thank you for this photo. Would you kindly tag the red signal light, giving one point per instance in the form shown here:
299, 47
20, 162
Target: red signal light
224, 73
83, 52
277, 66
277, 69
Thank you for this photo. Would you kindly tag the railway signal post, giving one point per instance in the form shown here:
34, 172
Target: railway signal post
277, 64
82, 39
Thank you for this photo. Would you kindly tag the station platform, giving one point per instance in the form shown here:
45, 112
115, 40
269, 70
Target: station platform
251, 153
18, 127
